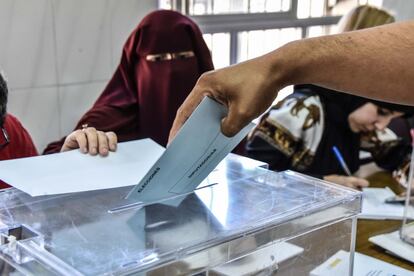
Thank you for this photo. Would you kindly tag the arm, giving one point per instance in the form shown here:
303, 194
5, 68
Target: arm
259, 149
374, 62
347, 181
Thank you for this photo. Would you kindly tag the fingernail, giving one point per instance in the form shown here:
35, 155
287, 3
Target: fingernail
94, 151
84, 150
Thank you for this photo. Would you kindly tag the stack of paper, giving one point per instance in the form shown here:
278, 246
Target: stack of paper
395, 245
338, 265
374, 206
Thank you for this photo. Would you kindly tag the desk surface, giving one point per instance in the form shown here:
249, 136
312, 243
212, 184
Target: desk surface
369, 228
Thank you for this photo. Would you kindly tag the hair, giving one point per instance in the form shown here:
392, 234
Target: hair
3, 98
363, 17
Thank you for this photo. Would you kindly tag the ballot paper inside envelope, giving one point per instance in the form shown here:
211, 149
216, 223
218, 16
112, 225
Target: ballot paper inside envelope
196, 150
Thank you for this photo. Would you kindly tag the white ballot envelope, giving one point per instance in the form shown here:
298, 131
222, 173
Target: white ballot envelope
196, 150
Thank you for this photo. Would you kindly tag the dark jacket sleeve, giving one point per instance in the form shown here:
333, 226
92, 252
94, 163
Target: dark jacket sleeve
54, 147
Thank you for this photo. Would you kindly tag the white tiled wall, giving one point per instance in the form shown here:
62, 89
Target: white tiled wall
402, 9
80, 96
82, 40
27, 49
38, 109
58, 56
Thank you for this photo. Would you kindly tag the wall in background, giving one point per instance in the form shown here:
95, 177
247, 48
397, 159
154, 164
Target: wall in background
58, 56
402, 9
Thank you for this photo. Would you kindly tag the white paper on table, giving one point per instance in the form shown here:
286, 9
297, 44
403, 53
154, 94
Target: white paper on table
338, 265
73, 171
196, 150
374, 206
395, 245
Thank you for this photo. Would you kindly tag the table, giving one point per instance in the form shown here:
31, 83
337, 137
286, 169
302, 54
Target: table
369, 228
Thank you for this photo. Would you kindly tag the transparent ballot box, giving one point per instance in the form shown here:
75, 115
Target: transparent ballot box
242, 220
407, 227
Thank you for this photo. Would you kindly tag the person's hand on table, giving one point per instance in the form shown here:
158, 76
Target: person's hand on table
348, 181
246, 89
92, 141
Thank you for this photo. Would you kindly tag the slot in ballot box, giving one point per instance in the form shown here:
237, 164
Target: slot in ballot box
243, 220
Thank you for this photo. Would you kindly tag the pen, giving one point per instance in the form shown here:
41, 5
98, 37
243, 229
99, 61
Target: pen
398, 199
341, 160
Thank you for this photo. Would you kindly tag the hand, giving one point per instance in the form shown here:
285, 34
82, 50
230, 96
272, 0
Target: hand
246, 89
89, 140
348, 181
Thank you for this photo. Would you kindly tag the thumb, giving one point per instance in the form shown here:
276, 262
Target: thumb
233, 122
69, 143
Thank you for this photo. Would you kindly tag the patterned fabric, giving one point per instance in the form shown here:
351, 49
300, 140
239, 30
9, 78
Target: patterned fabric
379, 143
401, 174
299, 132
294, 127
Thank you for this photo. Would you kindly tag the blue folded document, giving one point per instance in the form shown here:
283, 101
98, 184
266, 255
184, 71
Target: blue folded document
196, 150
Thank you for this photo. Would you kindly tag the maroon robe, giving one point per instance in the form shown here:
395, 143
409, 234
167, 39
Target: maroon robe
142, 98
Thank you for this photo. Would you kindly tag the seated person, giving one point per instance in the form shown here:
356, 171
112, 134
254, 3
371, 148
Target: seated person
161, 62
15, 141
299, 132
